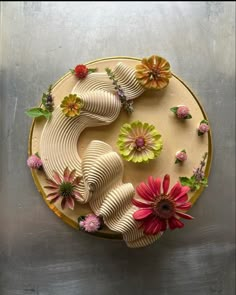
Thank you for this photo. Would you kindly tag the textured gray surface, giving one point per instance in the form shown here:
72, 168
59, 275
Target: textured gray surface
39, 254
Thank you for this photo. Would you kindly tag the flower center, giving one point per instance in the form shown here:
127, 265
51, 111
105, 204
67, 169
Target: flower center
164, 207
155, 73
66, 189
71, 106
139, 142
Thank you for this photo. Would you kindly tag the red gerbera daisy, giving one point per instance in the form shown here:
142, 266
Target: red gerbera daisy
161, 209
64, 189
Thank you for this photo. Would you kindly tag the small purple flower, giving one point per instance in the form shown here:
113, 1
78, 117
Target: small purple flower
198, 174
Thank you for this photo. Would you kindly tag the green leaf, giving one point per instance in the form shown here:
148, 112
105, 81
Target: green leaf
188, 117
46, 114
185, 181
174, 109
38, 112
92, 70
204, 181
44, 101
34, 112
197, 186
81, 218
204, 121
177, 161
199, 133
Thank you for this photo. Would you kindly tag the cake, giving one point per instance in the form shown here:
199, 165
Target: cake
121, 148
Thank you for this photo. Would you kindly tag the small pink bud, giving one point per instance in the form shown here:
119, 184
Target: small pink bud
34, 162
182, 112
203, 128
181, 156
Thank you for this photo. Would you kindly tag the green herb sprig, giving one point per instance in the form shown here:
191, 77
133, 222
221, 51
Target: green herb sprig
47, 106
198, 178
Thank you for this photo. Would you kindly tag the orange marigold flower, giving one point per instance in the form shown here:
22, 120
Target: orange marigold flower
153, 72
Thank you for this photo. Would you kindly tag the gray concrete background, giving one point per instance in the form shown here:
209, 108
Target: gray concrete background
40, 41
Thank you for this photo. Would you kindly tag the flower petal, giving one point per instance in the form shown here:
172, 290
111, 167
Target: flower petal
184, 215
77, 180
51, 187
77, 196
53, 198
166, 183
152, 227
175, 223
184, 191
63, 203
182, 200
72, 175
155, 185
70, 202
158, 186
53, 183
163, 224
142, 214
66, 174
176, 190
141, 204
184, 206
145, 192
57, 177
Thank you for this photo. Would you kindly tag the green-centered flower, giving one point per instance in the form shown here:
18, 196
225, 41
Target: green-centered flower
71, 105
139, 142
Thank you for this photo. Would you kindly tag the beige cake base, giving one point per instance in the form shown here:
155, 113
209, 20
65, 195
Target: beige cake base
152, 107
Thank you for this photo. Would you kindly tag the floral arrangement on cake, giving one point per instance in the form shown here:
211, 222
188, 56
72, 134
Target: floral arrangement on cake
142, 213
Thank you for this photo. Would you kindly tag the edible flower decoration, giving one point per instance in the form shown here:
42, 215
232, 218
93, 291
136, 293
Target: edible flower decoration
90, 223
47, 106
81, 71
35, 162
127, 104
198, 178
64, 189
139, 142
160, 208
203, 127
181, 156
71, 105
182, 112
153, 72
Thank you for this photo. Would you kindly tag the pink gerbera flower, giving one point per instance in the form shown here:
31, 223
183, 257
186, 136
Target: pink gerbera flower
161, 209
64, 189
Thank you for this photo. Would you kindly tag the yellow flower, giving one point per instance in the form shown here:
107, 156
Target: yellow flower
153, 72
71, 105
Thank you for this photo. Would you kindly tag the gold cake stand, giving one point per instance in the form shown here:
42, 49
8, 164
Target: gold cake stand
177, 87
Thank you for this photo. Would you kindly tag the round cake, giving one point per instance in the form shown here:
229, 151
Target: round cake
121, 148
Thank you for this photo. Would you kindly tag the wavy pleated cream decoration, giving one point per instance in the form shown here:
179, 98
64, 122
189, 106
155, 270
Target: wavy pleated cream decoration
108, 196
97, 81
101, 168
